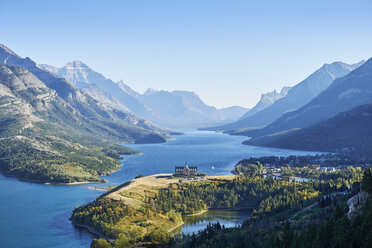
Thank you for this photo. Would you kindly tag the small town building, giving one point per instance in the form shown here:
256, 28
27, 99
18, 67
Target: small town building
186, 171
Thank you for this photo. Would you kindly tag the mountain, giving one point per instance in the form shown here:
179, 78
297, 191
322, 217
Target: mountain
185, 109
102, 96
51, 131
179, 108
118, 95
50, 68
113, 121
344, 93
171, 109
127, 89
98, 114
347, 131
266, 100
233, 112
297, 96
44, 138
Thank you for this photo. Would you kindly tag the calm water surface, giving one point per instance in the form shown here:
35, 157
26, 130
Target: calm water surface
36, 215
227, 218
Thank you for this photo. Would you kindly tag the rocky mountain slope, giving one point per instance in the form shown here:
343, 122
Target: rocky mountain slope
266, 100
99, 118
348, 131
174, 109
117, 95
345, 93
51, 131
297, 96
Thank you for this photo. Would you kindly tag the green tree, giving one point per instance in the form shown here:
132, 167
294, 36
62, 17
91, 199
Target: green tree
287, 235
122, 241
100, 243
367, 181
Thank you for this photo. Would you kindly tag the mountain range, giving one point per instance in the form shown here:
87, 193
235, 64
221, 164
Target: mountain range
55, 123
344, 93
117, 95
296, 97
66, 124
348, 131
165, 108
185, 109
69, 121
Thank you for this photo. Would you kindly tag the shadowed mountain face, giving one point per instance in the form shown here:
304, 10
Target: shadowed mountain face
345, 132
58, 103
174, 109
345, 93
296, 97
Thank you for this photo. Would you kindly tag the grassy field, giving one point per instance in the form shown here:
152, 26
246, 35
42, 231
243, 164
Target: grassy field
133, 193
128, 211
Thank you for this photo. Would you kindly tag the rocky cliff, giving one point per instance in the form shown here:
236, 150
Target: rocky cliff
356, 203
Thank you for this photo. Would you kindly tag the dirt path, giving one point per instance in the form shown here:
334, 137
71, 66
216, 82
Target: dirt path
316, 203
303, 210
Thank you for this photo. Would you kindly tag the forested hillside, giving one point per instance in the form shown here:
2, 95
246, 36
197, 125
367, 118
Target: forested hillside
326, 225
50, 131
348, 132
343, 94
272, 201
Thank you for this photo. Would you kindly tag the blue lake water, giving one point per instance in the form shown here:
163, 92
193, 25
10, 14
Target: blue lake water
227, 218
36, 215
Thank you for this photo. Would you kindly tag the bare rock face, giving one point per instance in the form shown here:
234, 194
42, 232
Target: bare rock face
355, 204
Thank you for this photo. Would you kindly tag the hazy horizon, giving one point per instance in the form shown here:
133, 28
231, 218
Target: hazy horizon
228, 52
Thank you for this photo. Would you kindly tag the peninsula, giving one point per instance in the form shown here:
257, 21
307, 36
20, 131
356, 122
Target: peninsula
135, 211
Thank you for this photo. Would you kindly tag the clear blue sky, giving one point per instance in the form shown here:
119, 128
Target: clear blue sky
228, 52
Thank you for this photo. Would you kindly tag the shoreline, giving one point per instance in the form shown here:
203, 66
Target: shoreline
232, 209
199, 213
46, 182
49, 182
174, 228
205, 211
95, 232
92, 230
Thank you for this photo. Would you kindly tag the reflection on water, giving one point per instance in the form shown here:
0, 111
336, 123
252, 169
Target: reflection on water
227, 218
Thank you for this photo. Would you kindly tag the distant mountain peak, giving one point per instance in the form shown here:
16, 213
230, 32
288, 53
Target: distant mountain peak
76, 64
150, 91
299, 95
274, 95
344, 93
334, 65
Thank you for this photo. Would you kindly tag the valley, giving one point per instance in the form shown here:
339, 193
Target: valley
48, 218
63, 128
147, 209
52, 132
185, 124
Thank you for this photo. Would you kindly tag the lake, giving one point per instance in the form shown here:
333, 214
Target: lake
36, 215
227, 218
